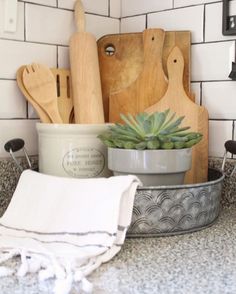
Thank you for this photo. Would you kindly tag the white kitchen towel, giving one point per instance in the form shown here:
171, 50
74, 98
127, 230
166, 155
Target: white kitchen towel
64, 228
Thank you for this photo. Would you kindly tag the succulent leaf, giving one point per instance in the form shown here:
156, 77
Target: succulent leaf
159, 130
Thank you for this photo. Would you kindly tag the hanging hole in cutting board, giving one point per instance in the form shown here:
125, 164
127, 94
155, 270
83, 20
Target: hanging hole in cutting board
175, 60
58, 86
68, 86
110, 50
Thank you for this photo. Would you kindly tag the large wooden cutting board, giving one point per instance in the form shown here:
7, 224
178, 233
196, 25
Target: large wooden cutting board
196, 116
150, 85
123, 66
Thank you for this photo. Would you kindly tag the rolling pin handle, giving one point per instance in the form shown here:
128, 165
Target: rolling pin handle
79, 16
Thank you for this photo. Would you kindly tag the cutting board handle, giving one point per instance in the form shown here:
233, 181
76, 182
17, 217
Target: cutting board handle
79, 16
175, 67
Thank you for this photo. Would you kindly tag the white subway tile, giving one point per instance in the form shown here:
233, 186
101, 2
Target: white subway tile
190, 18
98, 6
220, 99
58, 25
13, 104
31, 112
43, 2
24, 129
48, 25
63, 57
213, 23
211, 61
133, 24
181, 3
134, 7
19, 33
13, 54
196, 90
115, 8
219, 132
100, 26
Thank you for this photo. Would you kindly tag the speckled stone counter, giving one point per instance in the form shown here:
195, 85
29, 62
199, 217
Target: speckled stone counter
199, 263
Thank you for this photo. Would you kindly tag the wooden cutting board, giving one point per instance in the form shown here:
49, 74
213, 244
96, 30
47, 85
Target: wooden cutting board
121, 59
196, 116
150, 85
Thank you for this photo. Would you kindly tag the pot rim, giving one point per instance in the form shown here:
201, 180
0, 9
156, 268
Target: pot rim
184, 186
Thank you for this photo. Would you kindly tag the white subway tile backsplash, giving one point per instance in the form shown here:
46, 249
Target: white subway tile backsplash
220, 99
190, 18
134, 7
19, 34
31, 112
13, 54
210, 61
133, 24
24, 129
43, 2
213, 22
63, 57
57, 25
13, 104
115, 8
181, 3
98, 6
219, 132
100, 26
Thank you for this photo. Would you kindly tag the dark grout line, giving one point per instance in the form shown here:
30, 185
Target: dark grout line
221, 119
200, 93
24, 23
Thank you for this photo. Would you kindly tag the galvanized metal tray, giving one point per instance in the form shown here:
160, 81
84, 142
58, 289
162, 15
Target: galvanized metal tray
171, 210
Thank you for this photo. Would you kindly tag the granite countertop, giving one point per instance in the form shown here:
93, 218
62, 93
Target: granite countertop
200, 262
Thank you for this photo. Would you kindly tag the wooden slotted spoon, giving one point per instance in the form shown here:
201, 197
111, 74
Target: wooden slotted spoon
41, 85
64, 93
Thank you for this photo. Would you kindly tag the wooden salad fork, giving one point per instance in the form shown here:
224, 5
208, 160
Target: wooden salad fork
41, 85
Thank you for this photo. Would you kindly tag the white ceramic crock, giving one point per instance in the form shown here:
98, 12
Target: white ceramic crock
72, 150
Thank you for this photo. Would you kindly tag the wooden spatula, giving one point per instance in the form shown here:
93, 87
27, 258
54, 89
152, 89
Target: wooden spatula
41, 113
150, 85
41, 85
86, 84
64, 93
196, 116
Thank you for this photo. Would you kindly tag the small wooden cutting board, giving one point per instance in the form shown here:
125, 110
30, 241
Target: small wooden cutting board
196, 116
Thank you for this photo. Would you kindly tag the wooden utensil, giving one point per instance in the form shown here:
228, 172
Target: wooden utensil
41, 85
41, 113
86, 84
121, 58
150, 85
64, 93
196, 116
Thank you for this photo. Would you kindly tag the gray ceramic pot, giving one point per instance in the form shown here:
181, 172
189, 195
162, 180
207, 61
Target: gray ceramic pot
153, 167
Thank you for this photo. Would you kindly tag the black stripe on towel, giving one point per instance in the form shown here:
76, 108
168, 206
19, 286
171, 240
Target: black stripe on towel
63, 242
60, 233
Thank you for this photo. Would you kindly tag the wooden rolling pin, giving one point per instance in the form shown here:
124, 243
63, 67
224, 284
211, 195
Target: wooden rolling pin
85, 74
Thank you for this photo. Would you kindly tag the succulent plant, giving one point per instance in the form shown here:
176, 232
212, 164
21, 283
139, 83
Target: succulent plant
159, 130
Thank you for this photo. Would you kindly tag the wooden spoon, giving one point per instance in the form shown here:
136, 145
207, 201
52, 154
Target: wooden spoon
41, 85
41, 113
64, 93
